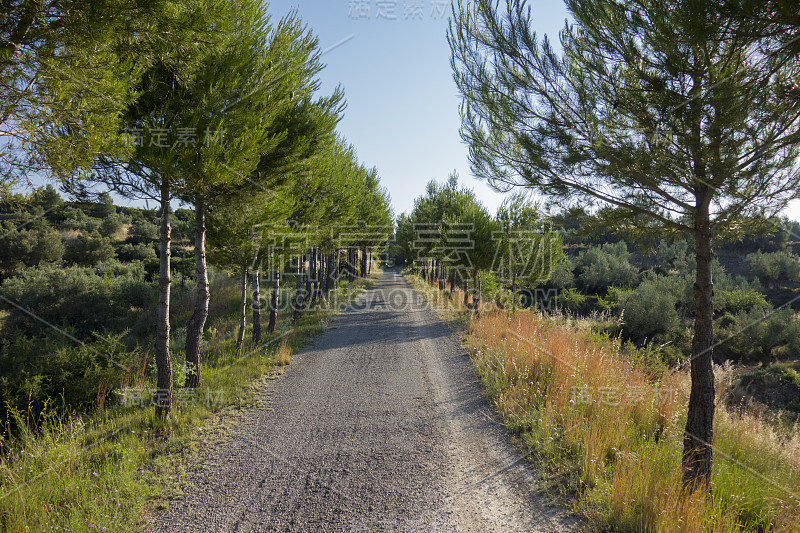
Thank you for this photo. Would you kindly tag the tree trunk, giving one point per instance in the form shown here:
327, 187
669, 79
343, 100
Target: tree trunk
476, 293
331, 274
697, 439
163, 362
273, 303
242, 310
466, 292
320, 276
351, 264
307, 292
364, 262
452, 283
195, 324
313, 276
336, 274
298, 288
256, 306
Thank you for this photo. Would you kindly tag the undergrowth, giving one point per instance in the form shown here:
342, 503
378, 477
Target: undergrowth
605, 424
113, 469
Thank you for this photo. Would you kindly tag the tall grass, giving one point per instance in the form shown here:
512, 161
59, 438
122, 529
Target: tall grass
606, 423
114, 468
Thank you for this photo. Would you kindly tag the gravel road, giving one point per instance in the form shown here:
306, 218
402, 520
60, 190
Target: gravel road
380, 425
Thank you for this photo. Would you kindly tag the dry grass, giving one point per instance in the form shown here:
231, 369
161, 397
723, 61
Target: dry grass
284, 353
607, 425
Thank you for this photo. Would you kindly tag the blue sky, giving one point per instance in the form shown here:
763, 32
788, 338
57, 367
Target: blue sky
392, 58
402, 112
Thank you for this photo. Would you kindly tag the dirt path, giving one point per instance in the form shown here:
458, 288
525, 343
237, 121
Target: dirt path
378, 426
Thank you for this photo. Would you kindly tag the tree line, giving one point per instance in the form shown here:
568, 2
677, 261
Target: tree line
211, 104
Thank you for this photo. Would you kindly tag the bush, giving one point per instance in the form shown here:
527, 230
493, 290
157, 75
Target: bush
739, 299
606, 265
672, 256
572, 300
649, 313
111, 225
563, 276
136, 252
70, 217
73, 298
89, 250
609, 302
56, 372
774, 267
142, 231
757, 336
28, 248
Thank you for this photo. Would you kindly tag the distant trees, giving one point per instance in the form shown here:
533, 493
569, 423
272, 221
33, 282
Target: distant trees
450, 236
527, 251
654, 109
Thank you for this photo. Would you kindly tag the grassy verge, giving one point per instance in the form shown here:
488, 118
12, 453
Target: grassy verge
112, 470
605, 424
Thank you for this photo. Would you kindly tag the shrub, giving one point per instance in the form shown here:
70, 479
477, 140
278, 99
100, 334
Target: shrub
571, 300
142, 231
46, 198
739, 299
609, 302
609, 264
56, 372
136, 252
89, 250
563, 276
111, 225
649, 313
672, 256
757, 336
73, 298
27, 248
771, 268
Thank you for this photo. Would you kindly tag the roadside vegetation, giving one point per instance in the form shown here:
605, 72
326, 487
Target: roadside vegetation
126, 331
603, 419
113, 467
581, 336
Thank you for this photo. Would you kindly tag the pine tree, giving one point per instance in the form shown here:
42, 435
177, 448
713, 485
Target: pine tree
653, 109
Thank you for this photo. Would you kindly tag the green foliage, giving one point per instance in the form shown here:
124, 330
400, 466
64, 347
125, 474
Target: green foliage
111, 225
610, 301
672, 256
527, 251
609, 264
740, 299
563, 276
757, 335
69, 217
77, 299
649, 313
88, 250
491, 288
142, 231
774, 267
47, 198
26, 248
572, 300
47, 371
136, 252
440, 209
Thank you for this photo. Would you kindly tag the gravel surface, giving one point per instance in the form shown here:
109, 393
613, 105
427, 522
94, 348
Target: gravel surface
380, 425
